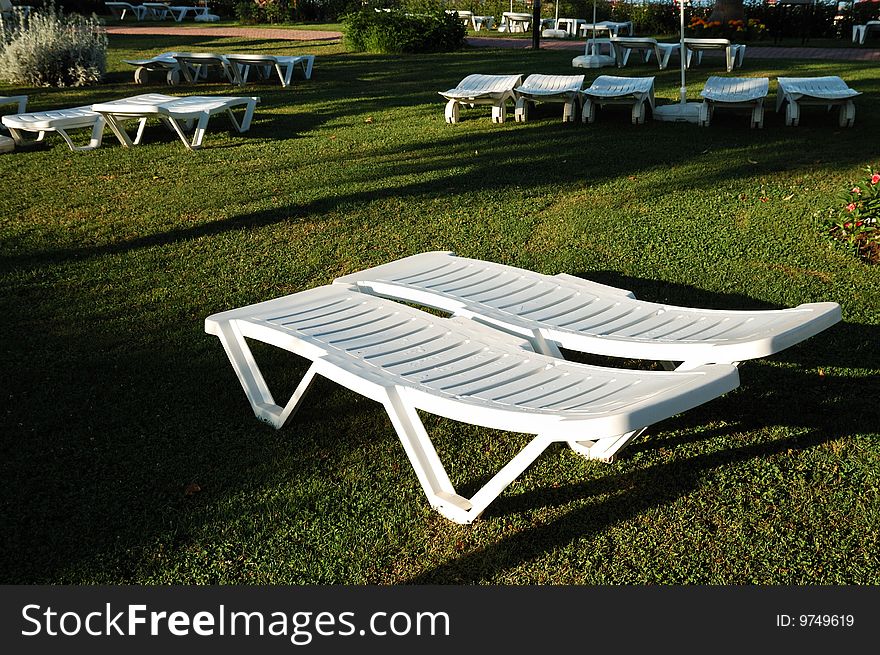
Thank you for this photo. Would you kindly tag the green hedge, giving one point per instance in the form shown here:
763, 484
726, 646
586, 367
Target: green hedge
395, 32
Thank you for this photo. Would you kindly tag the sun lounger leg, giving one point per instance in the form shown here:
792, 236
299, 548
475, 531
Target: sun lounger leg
521, 111
604, 449
847, 114
758, 115
499, 112
285, 76
452, 111
792, 114
308, 63
705, 114
569, 111
255, 387
638, 112
588, 111
94, 141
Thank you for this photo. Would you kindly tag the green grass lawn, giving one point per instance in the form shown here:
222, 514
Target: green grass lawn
130, 455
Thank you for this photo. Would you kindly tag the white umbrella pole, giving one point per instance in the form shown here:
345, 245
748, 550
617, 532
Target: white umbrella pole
683, 89
682, 111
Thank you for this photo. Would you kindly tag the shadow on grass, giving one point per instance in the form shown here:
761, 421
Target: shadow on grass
642, 490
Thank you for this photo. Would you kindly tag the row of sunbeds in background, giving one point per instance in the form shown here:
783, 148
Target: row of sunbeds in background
719, 92
186, 116
235, 68
160, 11
621, 47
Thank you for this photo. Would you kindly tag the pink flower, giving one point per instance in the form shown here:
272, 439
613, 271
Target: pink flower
856, 190
875, 178
851, 207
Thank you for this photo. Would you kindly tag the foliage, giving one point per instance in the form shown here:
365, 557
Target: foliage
254, 12
52, 48
394, 32
855, 221
750, 29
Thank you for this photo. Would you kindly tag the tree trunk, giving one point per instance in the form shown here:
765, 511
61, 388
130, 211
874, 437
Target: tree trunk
727, 10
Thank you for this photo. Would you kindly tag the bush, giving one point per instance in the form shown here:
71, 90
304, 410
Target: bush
394, 32
54, 49
252, 12
855, 221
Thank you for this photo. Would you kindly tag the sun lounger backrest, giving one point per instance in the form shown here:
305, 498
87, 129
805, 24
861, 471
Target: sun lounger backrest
585, 316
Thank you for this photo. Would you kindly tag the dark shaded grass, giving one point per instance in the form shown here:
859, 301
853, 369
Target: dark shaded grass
117, 403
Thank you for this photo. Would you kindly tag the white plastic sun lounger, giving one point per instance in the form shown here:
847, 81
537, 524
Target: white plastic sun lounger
494, 90
860, 32
59, 121
121, 9
735, 93
176, 113
195, 65
734, 53
563, 311
164, 62
826, 91
611, 90
623, 46
409, 360
549, 88
264, 64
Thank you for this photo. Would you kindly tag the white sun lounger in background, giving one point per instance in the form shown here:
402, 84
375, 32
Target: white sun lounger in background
121, 9
824, 91
549, 88
163, 62
176, 113
623, 46
563, 311
859, 32
735, 93
494, 90
195, 65
733, 52
611, 90
283, 65
59, 121
409, 360
156, 10
7, 144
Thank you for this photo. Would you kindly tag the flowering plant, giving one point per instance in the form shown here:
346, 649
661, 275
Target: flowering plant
855, 222
739, 29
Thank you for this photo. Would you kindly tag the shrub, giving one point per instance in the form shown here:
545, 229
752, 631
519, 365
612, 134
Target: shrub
394, 32
735, 30
54, 49
253, 12
855, 221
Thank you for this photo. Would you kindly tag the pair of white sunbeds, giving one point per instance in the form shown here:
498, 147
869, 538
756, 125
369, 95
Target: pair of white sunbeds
160, 11
180, 114
235, 68
719, 92
498, 90
497, 362
623, 46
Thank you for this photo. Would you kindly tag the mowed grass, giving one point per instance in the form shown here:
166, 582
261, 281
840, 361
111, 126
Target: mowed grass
130, 455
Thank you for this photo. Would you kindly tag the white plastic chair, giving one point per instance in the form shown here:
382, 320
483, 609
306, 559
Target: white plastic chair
826, 91
612, 90
411, 361
283, 65
735, 93
549, 88
494, 90
176, 113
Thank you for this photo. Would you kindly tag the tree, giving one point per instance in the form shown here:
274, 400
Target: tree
727, 10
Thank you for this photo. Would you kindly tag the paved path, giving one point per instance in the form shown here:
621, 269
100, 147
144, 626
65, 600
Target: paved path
753, 52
